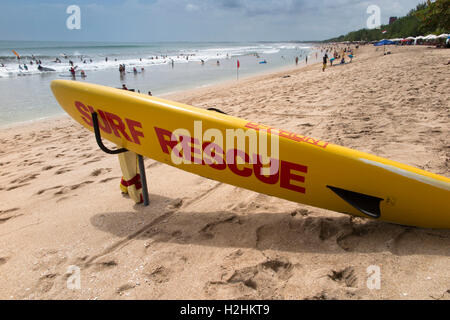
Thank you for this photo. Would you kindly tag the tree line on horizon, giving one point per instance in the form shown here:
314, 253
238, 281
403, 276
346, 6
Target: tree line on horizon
427, 18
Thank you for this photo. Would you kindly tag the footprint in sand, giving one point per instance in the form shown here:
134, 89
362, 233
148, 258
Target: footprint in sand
259, 281
3, 260
125, 287
46, 283
25, 178
97, 159
17, 186
46, 168
6, 215
109, 179
98, 172
105, 265
159, 274
345, 276
63, 170
65, 190
48, 189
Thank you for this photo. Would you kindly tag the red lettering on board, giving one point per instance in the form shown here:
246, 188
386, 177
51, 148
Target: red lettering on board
103, 124
117, 125
132, 125
287, 176
233, 154
287, 134
85, 115
215, 156
283, 172
165, 139
111, 123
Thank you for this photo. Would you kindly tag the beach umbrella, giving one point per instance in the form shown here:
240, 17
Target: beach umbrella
383, 43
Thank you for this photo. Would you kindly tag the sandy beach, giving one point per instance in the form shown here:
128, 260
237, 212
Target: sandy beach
61, 206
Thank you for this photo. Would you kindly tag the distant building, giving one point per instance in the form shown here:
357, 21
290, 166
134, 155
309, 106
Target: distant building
392, 20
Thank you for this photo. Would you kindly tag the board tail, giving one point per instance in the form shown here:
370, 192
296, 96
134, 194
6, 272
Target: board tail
131, 178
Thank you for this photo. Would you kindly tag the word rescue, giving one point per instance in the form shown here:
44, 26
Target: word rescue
200, 150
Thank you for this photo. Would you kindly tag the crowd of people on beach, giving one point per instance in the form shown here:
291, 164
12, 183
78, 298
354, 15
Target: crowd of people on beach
337, 53
329, 53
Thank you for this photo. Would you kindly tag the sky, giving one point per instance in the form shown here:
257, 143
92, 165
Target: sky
191, 20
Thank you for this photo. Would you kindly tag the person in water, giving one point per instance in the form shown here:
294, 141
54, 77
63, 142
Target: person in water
72, 71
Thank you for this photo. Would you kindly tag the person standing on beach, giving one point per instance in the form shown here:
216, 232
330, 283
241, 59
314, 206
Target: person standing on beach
325, 60
306, 59
296, 61
124, 87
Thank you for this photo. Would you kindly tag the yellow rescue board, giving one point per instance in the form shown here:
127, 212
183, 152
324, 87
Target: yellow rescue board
310, 171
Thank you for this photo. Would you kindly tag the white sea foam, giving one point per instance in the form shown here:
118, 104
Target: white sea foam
142, 59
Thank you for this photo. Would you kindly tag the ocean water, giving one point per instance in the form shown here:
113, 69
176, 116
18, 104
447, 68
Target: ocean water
168, 67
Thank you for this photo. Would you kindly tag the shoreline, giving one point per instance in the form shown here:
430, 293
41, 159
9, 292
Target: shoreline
221, 83
61, 206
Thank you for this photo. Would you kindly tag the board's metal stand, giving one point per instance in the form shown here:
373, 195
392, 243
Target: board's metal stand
122, 150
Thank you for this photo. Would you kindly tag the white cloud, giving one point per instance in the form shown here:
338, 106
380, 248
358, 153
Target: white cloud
191, 7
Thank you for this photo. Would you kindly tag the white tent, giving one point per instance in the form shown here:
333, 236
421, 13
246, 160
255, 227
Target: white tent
410, 38
430, 37
444, 35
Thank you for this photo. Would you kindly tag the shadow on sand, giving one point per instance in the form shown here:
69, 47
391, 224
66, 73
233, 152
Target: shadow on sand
165, 220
